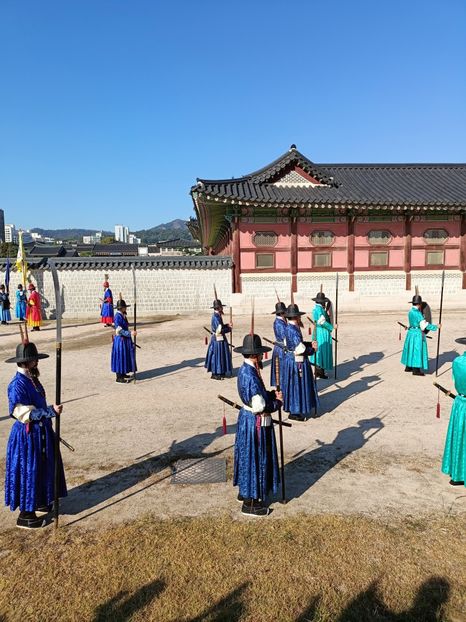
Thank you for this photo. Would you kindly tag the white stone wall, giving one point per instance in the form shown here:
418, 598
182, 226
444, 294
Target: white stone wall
382, 290
159, 291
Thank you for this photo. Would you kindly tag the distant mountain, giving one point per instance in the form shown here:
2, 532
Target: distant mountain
167, 231
67, 234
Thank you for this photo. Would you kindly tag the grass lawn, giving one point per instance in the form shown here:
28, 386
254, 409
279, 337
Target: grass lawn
321, 568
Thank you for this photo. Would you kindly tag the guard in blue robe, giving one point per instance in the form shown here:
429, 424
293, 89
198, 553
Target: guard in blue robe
256, 470
299, 387
5, 305
20, 307
106, 309
218, 358
415, 355
322, 333
279, 326
123, 360
454, 455
30, 454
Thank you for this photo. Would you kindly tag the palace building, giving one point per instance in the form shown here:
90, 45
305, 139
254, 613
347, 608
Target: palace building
297, 219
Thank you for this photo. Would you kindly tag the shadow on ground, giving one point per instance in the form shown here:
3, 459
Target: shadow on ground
368, 606
331, 400
91, 494
305, 469
169, 369
122, 607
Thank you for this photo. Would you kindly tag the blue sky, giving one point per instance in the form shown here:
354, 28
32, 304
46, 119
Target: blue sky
110, 109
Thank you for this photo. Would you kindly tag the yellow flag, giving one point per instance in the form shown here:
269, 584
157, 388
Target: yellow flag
21, 264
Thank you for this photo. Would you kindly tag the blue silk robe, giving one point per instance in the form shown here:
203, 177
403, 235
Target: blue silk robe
123, 360
279, 326
454, 455
106, 310
256, 463
415, 346
299, 388
20, 308
218, 358
30, 453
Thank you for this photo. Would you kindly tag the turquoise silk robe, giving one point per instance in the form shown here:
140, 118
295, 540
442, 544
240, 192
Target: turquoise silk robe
454, 456
323, 335
415, 347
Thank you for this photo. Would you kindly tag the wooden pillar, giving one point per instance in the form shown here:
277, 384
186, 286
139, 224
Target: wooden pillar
350, 259
407, 252
236, 256
294, 253
463, 249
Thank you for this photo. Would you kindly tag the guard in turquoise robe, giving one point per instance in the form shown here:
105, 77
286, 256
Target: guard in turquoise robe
415, 355
454, 456
322, 333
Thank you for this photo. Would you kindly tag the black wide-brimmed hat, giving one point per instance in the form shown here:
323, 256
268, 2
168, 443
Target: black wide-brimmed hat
293, 311
25, 353
321, 298
252, 345
217, 304
417, 300
121, 303
280, 307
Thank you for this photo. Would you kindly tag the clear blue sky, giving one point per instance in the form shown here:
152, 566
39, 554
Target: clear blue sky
110, 109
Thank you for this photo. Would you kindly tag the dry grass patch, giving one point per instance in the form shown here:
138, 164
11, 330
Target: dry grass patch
321, 568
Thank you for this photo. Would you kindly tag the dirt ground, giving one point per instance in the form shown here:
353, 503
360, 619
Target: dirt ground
374, 449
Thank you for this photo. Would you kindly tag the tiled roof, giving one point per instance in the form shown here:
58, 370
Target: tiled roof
114, 263
118, 263
427, 185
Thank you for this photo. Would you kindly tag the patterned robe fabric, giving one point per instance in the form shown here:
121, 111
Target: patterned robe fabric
256, 469
123, 360
454, 455
30, 454
279, 326
322, 333
415, 346
218, 358
299, 388
106, 311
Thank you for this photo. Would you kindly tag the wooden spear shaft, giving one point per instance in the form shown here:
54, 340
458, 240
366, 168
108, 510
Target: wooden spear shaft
440, 321
280, 429
58, 311
336, 329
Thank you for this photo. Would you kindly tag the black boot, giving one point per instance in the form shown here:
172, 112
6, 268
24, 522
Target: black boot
44, 509
408, 369
417, 371
453, 483
253, 507
320, 373
29, 520
120, 379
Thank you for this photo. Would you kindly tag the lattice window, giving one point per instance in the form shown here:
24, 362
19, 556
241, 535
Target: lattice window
378, 258
293, 179
265, 260
322, 238
379, 237
322, 260
435, 236
435, 258
265, 238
